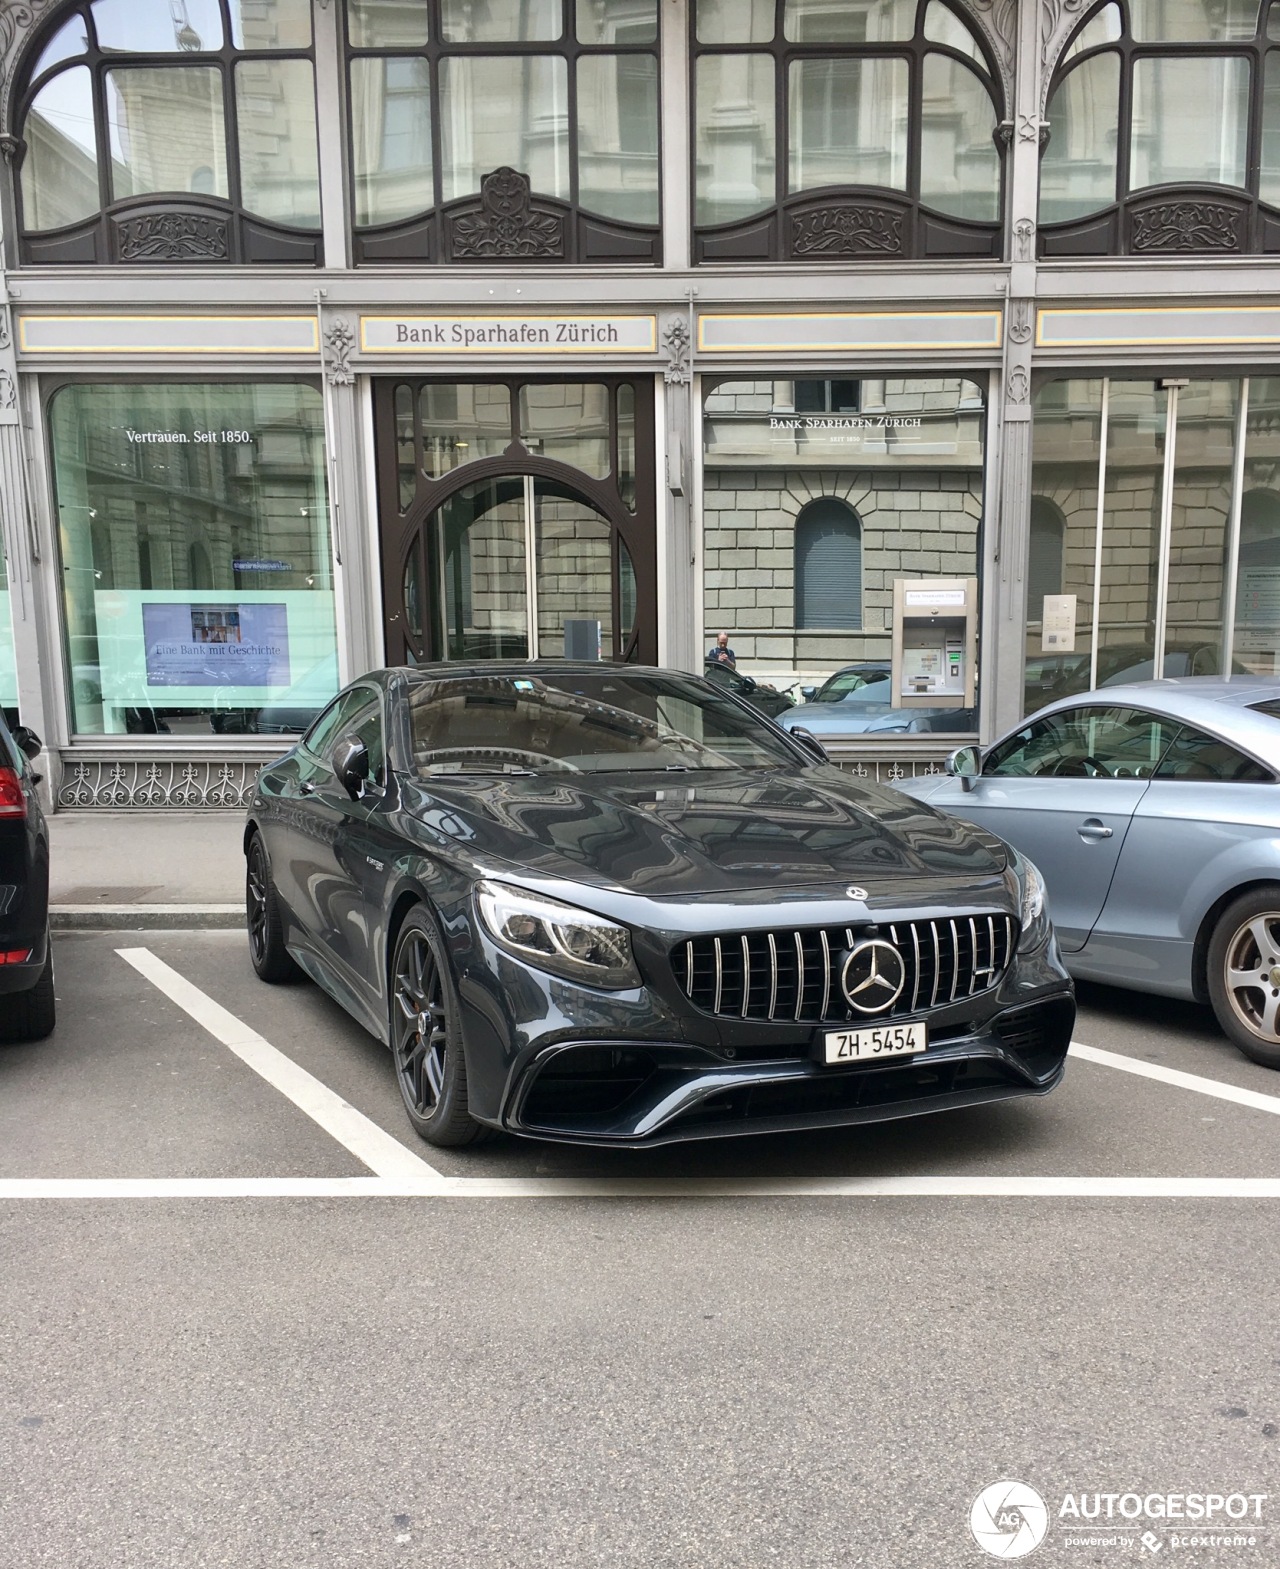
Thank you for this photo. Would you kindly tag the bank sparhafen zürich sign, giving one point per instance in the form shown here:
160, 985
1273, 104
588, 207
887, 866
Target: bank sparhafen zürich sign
570, 333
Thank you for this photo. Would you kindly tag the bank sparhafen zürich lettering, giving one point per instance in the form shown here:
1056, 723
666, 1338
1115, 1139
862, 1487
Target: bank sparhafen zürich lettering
623, 334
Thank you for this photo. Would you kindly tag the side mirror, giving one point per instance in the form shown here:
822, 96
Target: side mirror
351, 765
748, 683
29, 743
811, 744
965, 764
808, 693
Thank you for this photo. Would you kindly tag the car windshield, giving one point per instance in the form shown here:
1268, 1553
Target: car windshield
840, 686
611, 721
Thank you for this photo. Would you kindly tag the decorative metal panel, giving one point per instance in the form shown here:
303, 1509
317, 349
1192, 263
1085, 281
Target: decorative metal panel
156, 784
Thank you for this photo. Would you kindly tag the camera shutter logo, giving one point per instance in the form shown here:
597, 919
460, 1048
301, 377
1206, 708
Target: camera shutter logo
1009, 1519
873, 976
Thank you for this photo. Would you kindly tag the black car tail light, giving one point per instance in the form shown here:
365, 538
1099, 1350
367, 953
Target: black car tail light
15, 955
13, 803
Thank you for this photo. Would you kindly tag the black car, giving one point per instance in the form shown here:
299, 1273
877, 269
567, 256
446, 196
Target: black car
766, 698
26, 958
612, 905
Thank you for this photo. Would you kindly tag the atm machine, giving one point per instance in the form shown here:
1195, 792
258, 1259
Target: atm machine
935, 642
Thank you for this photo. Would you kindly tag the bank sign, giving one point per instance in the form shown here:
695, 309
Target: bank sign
468, 335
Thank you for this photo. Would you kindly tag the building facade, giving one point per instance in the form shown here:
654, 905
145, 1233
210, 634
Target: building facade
336, 333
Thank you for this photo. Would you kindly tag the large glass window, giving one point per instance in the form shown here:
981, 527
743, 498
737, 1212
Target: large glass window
797, 102
194, 529
810, 519
1155, 95
1171, 569
204, 107
564, 94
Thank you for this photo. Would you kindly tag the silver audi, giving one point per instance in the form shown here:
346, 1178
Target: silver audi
1153, 813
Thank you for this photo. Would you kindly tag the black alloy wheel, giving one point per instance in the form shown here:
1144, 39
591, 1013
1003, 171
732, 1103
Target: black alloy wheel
270, 958
425, 1039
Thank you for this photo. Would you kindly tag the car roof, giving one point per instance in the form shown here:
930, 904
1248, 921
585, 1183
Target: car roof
1226, 704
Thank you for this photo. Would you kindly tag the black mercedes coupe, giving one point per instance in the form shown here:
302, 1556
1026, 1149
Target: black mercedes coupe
614, 905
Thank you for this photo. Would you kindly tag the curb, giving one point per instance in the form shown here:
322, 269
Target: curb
146, 917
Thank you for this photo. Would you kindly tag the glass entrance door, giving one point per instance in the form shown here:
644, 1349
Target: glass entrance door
1154, 532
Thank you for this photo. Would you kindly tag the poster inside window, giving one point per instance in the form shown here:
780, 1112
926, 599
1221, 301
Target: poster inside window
194, 530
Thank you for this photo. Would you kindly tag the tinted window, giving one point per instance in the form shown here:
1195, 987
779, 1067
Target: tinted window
335, 720
1194, 755
366, 726
1084, 743
587, 723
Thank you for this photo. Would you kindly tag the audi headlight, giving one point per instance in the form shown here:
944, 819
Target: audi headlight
558, 937
1035, 905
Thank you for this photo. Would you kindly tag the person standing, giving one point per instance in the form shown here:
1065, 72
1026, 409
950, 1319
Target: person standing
722, 654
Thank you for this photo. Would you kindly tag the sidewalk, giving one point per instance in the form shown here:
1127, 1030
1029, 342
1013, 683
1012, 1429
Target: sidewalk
146, 869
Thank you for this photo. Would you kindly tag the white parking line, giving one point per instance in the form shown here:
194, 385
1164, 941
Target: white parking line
384, 1155
961, 1187
1175, 1076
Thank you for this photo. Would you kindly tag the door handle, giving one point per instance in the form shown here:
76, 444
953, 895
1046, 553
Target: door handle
1093, 829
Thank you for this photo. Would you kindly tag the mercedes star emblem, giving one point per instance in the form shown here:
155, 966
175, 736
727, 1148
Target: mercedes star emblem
873, 976
854, 892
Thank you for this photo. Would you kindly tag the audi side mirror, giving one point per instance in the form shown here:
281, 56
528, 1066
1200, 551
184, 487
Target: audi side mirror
811, 744
29, 743
351, 765
965, 764
808, 693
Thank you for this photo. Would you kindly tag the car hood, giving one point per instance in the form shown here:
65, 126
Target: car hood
671, 835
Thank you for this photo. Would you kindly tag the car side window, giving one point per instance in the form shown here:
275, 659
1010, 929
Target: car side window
366, 726
1100, 742
1194, 755
330, 722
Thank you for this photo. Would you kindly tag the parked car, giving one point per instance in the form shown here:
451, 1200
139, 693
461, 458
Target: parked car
611, 905
766, 698
869, 710
849, 678
27, 1008
1153, 811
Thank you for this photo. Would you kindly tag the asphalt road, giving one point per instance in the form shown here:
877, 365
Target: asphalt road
488, 1377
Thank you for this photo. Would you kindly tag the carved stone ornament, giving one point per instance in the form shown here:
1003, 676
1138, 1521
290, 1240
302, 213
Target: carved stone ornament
1020, 319
8, 392
1019, 385
172, 237
1187, 226
17, 18
1024, 235
847, 229
675, 341
998, 22
1058, 18
339, 341
506, 225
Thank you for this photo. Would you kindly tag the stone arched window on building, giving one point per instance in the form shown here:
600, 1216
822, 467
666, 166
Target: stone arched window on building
830, 132
512, 131
828, 580
171, 131
1164, 131
1044, 554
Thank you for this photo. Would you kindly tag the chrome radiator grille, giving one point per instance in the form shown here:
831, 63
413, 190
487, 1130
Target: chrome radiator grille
793, 976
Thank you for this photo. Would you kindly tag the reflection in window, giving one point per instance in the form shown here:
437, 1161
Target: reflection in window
391, 138
735, 130
164, 126
828, 566
279, 163
618, 136
504, 110
1078, 170
197, 583
959, 165
386, 24
1190, 121
462, 423
60, 170
848, 123
568, 422
499, 21
1044, 554
873, 22
1193, 21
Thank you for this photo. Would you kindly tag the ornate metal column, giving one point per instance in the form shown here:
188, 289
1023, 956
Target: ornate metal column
677, 607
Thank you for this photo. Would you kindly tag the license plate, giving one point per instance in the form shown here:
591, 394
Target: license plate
880, 1040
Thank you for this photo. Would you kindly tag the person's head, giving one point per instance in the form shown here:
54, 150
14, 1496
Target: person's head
722, 640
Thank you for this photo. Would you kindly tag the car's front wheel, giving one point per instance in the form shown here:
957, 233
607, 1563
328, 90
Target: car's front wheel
31, 1015
1244, 974
271, 959
426, 1040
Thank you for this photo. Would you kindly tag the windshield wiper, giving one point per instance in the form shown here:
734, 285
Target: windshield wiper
477, 773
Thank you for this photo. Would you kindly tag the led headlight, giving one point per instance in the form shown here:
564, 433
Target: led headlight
1035, 905
558, 937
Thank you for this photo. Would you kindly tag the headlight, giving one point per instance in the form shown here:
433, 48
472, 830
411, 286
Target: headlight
559, 937
1035, 905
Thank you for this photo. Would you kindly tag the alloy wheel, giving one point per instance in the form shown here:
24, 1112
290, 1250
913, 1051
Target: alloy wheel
421, 1024
1252, 975
256, 900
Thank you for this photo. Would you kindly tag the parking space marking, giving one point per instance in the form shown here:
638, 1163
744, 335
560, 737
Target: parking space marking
1183, 1081
370, 1144
962, 1187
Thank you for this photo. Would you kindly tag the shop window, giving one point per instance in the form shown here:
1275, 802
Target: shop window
826, 397
830, 132
828, 566
1164, 132
171, 132
507, 131
193, 526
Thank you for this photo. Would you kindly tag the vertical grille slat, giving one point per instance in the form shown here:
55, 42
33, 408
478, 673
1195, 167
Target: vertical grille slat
792, 976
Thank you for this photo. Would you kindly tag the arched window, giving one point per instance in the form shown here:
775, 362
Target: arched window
834, 131
828, 566
1164, 131
504, 131
1044, 555
171, 131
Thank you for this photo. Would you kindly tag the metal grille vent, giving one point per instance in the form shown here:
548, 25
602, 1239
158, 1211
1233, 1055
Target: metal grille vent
794, 976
